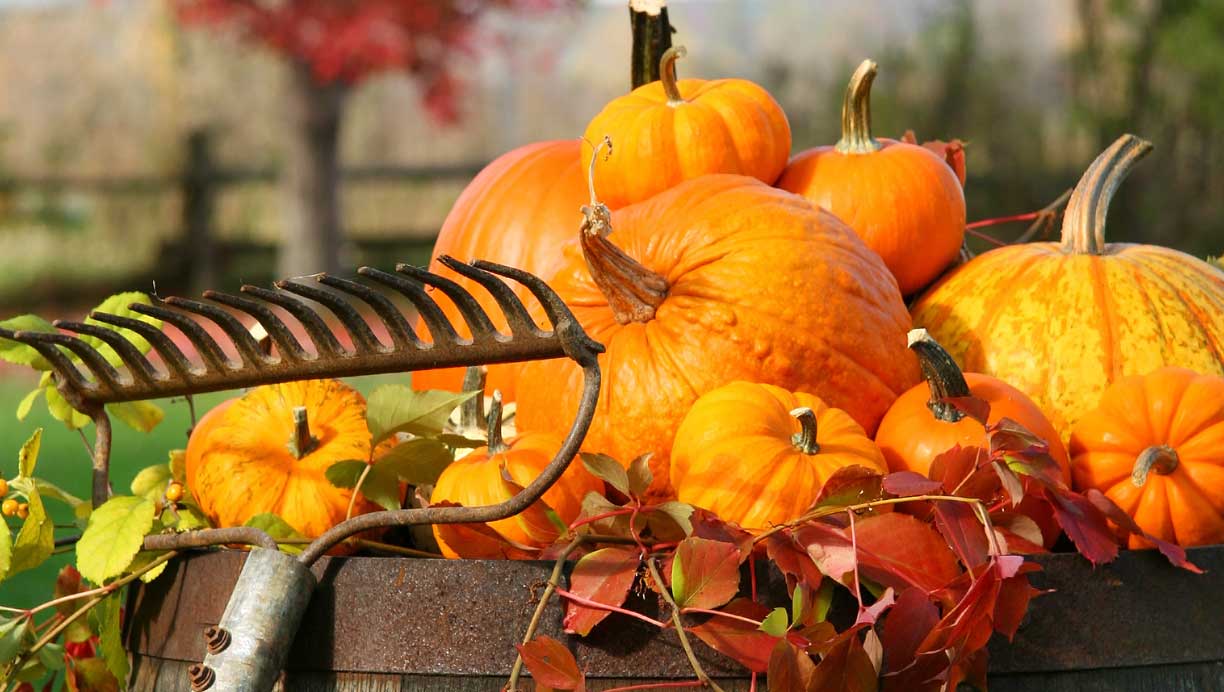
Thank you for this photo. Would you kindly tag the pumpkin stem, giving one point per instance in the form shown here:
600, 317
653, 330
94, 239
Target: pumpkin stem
632, 291
667, 74
1159, 458
303, 442
471, 413
856, 112
1083, 228
652, 35
805, 439
494, 422
943, 376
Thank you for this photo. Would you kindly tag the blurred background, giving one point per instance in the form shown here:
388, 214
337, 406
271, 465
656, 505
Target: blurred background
180, 144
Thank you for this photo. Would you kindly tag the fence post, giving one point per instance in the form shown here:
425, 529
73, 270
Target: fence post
199, 196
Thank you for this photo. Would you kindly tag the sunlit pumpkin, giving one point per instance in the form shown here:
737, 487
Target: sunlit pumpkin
1155, 446
479, 479
902, 199
758, 455
1061, 321
718, 279
673, 130
257, 455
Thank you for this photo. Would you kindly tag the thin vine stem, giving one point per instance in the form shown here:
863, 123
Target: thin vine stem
675, 684
582, 601
348, 513
829, 511
679, 627
730, 616
553, 580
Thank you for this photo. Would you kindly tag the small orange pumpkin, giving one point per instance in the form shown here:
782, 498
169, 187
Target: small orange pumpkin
269, 451
903, 200
758, 455
1155, 446
669, 131
480, 478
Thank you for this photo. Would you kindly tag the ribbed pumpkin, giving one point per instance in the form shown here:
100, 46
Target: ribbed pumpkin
903, 200
517, 211
1155, 446
1061, 321
477, 479
758, 455
669, 131
256, 455
718, 279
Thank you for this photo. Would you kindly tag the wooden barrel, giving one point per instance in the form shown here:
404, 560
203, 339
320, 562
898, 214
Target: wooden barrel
398, 624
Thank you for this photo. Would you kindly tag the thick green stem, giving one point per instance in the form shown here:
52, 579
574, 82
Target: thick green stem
856, 113
943, 375
1159, 458
651, 38
303, 442
1083, 229
805, 439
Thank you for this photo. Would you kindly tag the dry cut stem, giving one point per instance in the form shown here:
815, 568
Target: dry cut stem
1083, 229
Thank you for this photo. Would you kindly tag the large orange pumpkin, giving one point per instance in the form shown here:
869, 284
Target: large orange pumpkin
903, 200
517, 212
758, 455
479, 479
1061, 321
718, 279
1155, 446
669, 131
253, 456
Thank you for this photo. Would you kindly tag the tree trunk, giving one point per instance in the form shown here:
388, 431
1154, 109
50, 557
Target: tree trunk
312, 240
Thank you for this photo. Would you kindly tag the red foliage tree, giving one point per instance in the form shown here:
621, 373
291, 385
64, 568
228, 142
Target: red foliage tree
332, 45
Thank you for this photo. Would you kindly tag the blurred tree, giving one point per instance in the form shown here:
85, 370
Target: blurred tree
330, 46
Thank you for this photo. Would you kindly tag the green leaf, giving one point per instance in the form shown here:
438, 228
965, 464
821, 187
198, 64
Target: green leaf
380, 486
151, 482
344, 474
418, 461
680, 513
639, 475
460, 441
51, 656
36, 540
797, 603
115, 533
138, 415
59, 407
11, 634
19, 353
118, 305
6, 549
104, 618
705, 573
52, 491
394, 408
27, 403
776, 623
178, 465
278, 529
142, 560
27, 458
607, 469
189, 518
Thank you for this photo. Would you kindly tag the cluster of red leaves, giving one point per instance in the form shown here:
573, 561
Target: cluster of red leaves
347, 40
953, 152
928, 560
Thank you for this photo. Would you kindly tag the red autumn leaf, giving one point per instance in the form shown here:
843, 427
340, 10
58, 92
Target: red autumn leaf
89, 675
1008, 435
1010, 482
551, 664
705, 573
828, 547
954, 466
792, 560
790, 668
952, 153
1013, 601
1173, 552
604, 576
1021, 534
975, 408
969, 670
850, 485
1084, 524
707, 524
911, 619
966, 627
845, 668
737, 639
960, 526
899, 550
926, 674
909, 484
869, 615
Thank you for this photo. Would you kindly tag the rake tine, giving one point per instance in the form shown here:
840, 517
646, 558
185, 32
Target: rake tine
214, 358
137, 364
402, 333
286, 343
93, 361
440, 328
248, 347
363, 339
516, 314
61, 363
170, 353
478, 321
324, 341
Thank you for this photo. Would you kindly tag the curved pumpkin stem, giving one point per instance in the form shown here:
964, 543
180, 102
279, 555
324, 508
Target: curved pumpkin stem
805, 439
856, 112
667, 74
303, 442
1083, 228
471, 412
632, 291
494, 420
943, 375
1159, 458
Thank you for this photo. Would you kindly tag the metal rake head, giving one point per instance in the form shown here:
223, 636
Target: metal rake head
89, 381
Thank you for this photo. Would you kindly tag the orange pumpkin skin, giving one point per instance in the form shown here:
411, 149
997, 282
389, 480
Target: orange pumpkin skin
734, 453
1169, 407
760, 286
518, 211
717, 126
476, 480
903, 200
239, 463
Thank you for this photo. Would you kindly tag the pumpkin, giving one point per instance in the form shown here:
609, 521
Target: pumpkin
902, 199
1155, 446
669, 131
718, 279
758, 455
269, 450
517, 212
1061, 321
479, 479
